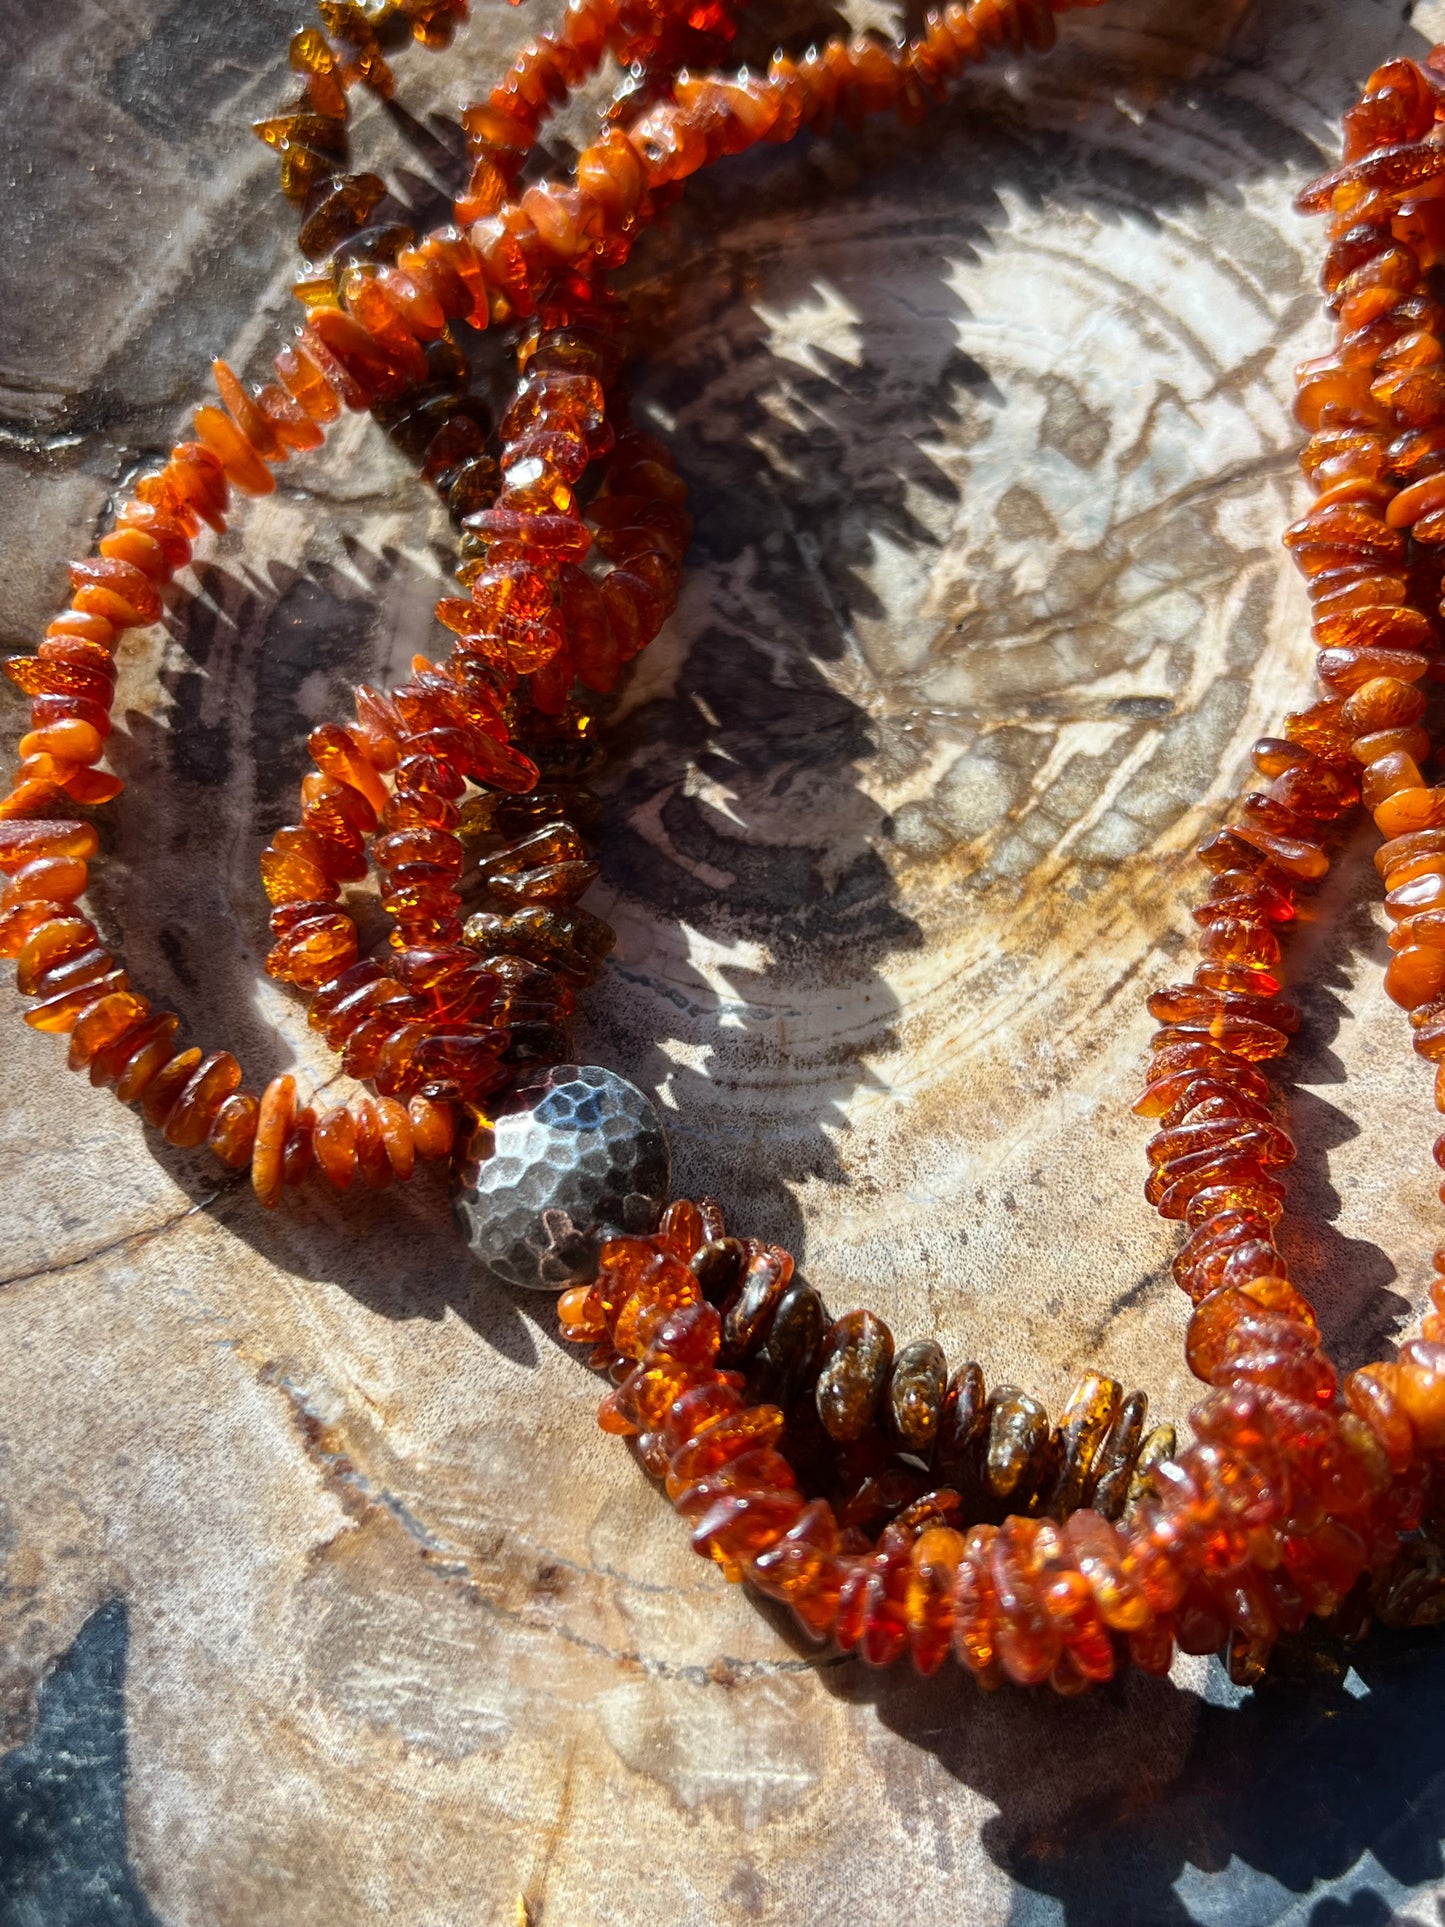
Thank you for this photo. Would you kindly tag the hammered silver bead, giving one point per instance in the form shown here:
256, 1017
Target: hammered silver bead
575, 1155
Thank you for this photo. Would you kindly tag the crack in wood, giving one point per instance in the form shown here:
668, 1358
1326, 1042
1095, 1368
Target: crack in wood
130, 1241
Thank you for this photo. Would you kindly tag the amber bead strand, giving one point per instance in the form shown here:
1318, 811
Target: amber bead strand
1025, 1596
421, 858
71, 682
1221, 1543
378, 269
879, 1429
363, 342
439, 733
1288, 1496
535, 522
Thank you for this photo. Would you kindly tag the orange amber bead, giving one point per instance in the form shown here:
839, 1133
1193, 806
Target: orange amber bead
334, 1140
54, 943
314, 949
1420, 1389
167, 1084
232, 1133
69, 738
273, 1124
19, 923
52, 879
238, 457
1415, 975
103, 1023
24, 842
190, 1118
928, 1602
298, 1153
152, 1052
61, 1009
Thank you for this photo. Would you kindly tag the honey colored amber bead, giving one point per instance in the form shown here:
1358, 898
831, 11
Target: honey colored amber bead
433, 1127
378, 371
344, 1001
293, 868
22, 843
273, 1124
248, 416
232, 1132
1396, 859
306, 384
195, 478
337, 754
1083, 1426
579, 1316
738, 1526
1373, 1394
1426, 927
548, 845
191, 1116
975, 1607
19, 923
134, 592
147, 1060
313, 950
90, 966
666, 1287
166, 1086
1419, 1387
1099, 1554
310, 54
334, 1141
1415, 975
457, 1064
372, 1159
1412, 742
1016, 1452
680, 1230
804, 1569
101, 1023
48, 879
857, 1357
241, 461
107, 1063
913, 1403
714, 1397
1254, 946
1296, 856
61, 1009
928, 1602
1384, 702
75, 624
720, 1441
1028, 1641
298, 1155
70, 738
88, 786
398, 1141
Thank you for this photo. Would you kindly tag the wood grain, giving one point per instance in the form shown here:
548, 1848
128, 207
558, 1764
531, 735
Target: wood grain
988, 430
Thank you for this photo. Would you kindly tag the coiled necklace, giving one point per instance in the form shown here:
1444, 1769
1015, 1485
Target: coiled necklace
894, 1506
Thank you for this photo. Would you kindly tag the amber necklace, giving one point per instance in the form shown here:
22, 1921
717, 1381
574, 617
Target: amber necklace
894, 1507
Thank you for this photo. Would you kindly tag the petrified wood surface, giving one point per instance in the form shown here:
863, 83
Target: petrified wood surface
323, 1599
